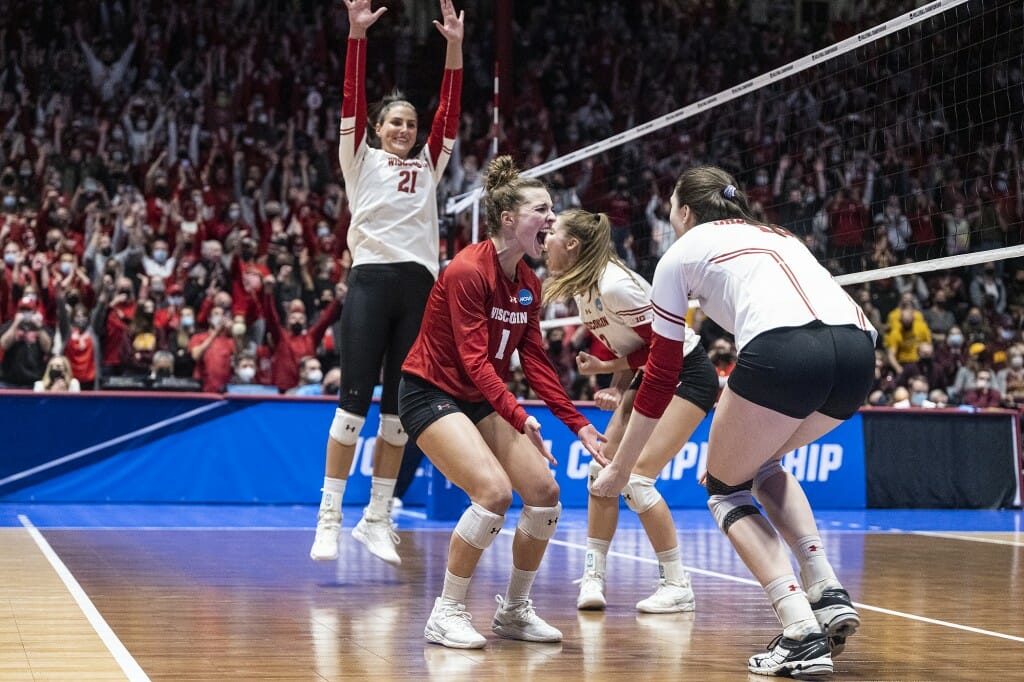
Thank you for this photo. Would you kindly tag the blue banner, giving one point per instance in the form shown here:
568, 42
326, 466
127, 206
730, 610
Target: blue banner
110, 447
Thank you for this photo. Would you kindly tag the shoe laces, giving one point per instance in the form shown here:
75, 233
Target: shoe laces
458, 613
385, 527
522, 610
328, 519
589, 576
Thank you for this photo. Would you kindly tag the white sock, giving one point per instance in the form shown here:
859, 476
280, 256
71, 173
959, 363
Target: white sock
455, 588
519, 586
333, 491
597, 553
381, 492
671, 566
792, 608
815, 570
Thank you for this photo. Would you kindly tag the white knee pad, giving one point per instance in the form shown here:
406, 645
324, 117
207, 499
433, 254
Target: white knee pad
728, 509
346, 427
767, 470
592, 474
640, 493
391, 430
539, 522
479, 527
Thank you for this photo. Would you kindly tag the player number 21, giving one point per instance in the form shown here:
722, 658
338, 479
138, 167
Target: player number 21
407, 183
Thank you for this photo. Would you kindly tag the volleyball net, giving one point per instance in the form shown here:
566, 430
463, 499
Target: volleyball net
891, 152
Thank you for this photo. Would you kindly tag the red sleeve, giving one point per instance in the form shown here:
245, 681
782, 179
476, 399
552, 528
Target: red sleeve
446, 119
275, 334
660, 378
328, 316
638, 358
353, 103
467, 306
543, 378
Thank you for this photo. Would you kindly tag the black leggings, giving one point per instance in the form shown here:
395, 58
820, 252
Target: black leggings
379, 323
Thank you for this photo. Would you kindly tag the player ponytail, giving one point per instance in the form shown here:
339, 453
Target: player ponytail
593, 231
712, 194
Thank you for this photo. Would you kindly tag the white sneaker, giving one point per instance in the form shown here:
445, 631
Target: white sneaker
591, 595
449, 625
670, 597
325, 544
380, 538
520, 621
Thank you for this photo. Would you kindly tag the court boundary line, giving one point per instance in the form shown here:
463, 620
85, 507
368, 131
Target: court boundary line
748, 581
125, 660
968, 538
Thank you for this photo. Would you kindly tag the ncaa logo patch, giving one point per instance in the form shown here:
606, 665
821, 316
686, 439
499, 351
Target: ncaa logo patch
525, 297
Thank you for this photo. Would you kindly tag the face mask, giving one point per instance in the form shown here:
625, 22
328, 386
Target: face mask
918, 398
10, 258
246, 374
106, 251
72, 300
956, 339
982, 383
1017, 361
314, 376
296, 327
188, 321
1006, 334
175, 300
974, 319
163, 372
65, 267
331, 389
160, 255
238, 329
555, 347
323, 231
10, 201
215, 321
233, 214
81, 322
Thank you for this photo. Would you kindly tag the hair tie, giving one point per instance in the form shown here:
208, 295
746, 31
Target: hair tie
729, 192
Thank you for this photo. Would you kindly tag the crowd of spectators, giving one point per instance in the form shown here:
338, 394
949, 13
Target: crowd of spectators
172, 215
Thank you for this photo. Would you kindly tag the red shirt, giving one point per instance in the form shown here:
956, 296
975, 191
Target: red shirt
289, 348
214, 368
475, 318
80, 351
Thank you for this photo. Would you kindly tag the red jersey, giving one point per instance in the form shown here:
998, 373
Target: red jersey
475, 318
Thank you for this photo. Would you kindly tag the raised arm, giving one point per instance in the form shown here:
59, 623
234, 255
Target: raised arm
445, 128
353, 103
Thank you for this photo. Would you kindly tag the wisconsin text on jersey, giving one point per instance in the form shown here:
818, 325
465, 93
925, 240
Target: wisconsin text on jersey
508, 316
415, 163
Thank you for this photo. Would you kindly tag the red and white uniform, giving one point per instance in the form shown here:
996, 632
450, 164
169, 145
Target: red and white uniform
475, 318
394, 200
749, 279
620, 315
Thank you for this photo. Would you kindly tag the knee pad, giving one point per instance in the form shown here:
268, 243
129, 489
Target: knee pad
539, 522
640, 493
767, 470
730, 503
346, 427
478, 527
391, 430
592, 473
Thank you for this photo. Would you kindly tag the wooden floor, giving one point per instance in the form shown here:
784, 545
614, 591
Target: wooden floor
194, 602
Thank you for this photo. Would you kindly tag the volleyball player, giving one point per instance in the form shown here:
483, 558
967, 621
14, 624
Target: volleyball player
455, 405
805, 364
615, 304
394, 243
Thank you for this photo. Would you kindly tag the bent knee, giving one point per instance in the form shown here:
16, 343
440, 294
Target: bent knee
494, 497
543, 494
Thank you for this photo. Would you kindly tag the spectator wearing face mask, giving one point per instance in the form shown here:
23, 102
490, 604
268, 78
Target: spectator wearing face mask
115, 311
919, 388
1010, 379
293, 341
310, 376
939, 318
723, 357
212, 351
977, 359
58, 377
987, 291
177, 339
983, 394
24, 343
78, 341
245, 379
159, 262
905, 338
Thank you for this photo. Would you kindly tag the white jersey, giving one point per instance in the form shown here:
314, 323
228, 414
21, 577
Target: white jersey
623, 302
393, 200
394, 203
749, 279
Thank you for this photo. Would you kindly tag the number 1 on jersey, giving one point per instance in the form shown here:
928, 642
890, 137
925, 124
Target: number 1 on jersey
505, 333
407, 183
